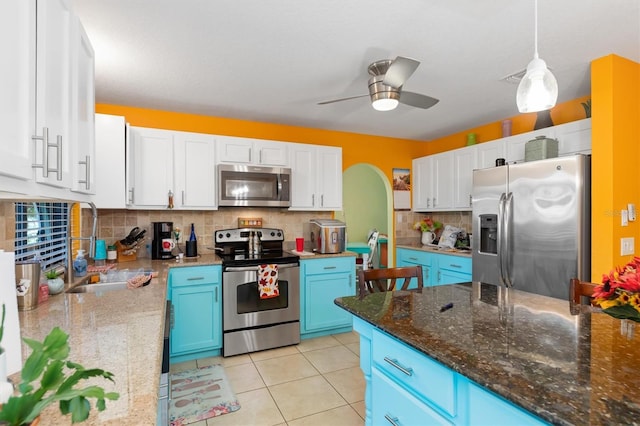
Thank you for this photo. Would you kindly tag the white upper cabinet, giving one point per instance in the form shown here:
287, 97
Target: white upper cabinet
259, 152
83, 110
316, 177
195, 171
46, 107
17, 85
464, 161
488, 152
433, 183
422, 183
574, 137
110, 187
515, 145
443, 181
163, 162
53, 83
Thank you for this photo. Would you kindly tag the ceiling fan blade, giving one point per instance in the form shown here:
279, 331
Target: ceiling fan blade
341, 99
417, 100
399, 71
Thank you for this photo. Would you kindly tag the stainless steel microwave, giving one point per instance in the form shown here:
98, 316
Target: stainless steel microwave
253, 186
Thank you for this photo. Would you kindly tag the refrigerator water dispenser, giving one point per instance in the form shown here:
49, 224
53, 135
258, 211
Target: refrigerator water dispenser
489, 233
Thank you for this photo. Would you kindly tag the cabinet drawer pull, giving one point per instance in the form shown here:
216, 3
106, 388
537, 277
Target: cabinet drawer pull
195, 278
413, 258
392, 420
329, 267
406, 370
87, 172
216, 300
453, 265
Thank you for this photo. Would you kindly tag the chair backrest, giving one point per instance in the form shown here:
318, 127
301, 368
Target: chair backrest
387, 279
577, 290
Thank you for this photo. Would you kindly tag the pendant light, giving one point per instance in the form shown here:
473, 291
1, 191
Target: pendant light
538, 89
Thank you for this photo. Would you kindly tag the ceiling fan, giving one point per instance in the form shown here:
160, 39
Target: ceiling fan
385, 85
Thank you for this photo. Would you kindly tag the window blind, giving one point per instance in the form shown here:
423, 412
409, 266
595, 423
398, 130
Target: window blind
41, 233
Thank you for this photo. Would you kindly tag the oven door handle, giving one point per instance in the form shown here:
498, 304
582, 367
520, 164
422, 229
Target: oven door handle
255, 268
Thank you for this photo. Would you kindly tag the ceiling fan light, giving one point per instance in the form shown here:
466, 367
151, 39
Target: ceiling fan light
384, 104
538, 89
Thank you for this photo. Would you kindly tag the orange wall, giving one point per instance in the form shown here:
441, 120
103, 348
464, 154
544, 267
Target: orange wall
560, 114
385, 153
615, 86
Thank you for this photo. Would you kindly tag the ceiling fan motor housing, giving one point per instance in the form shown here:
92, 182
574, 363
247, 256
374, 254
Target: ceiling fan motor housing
379, 90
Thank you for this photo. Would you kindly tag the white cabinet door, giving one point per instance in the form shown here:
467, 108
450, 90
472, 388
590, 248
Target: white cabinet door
195, 171
316, 177
17, 87
422, 183
329, 178
515, 145
150, 167
110, 185
303, 176
269, 153
488, 152
574, 137
443, 181
53, 152
82, 110
464, 161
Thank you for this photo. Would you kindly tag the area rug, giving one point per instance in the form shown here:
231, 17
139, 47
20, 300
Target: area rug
199, 394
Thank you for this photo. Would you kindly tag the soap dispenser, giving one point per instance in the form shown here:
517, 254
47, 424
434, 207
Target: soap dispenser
80, 264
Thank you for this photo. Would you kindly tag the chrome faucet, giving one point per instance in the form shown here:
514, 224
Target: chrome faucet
91, 239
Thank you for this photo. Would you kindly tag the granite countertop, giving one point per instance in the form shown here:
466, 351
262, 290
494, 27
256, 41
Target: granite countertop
118, 331
435, 249
527, 348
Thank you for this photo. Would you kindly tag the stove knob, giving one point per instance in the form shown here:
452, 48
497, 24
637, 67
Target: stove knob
228, 235
279, 234
273, 233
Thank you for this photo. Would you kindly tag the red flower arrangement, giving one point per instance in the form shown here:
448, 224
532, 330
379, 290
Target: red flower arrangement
619, 293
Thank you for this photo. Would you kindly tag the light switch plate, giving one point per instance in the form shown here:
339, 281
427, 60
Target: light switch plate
632, 212
624, 216
626, 246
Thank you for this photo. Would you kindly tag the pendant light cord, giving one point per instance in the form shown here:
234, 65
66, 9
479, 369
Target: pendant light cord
535, 28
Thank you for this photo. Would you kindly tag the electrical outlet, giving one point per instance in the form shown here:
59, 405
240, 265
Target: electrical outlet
626, 246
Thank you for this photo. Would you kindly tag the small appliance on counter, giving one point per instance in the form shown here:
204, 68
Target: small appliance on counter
163, 243
325, 235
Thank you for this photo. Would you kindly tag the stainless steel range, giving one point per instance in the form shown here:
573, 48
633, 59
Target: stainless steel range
251, 323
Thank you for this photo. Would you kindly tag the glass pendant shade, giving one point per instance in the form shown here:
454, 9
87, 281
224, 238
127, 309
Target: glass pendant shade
538, 89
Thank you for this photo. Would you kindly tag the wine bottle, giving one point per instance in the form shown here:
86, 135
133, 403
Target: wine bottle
192, 237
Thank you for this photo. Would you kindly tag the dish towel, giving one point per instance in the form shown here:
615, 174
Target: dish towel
268, 281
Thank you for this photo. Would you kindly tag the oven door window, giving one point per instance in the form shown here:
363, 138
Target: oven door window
249, 300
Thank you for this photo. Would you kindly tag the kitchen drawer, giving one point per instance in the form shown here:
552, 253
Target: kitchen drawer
329, 265
421, 375
392, 404
455, 263
194, 275
415, 257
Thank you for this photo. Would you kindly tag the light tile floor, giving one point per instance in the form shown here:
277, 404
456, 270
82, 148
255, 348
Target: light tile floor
318, 382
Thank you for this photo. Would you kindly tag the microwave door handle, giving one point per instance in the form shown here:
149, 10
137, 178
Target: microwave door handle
500, 247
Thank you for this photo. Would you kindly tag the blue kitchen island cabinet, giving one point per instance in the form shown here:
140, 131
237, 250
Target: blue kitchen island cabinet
406, 387
196, 299
321, 282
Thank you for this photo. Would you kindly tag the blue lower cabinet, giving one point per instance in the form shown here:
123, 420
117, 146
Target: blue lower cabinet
407, 387
196, 299
321, 282
437, 269
453, 269
405, 257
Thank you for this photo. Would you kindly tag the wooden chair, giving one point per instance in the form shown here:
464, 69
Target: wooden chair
577, 290
378, 280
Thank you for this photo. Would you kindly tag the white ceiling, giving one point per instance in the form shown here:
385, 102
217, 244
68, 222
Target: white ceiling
272, 61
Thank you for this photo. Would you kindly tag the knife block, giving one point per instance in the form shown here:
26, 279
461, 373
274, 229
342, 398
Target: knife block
125, 257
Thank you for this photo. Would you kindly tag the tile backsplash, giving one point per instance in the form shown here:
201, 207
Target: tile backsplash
405, 234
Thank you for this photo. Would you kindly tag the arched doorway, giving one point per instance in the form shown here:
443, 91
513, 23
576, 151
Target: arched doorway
367, 204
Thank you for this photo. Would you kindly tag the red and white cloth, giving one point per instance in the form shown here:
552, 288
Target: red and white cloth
268, 281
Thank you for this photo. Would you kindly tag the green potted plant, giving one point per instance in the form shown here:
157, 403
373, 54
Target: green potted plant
47, 377
55, 283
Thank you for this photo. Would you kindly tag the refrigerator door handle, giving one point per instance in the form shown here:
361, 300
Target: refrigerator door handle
508, 251
499, 240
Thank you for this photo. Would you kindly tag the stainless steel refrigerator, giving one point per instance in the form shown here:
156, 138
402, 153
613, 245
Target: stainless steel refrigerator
532, 225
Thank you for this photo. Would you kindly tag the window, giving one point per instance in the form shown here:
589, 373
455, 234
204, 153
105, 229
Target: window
41, 233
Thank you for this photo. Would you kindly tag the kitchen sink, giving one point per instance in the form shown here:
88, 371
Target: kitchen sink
98, 287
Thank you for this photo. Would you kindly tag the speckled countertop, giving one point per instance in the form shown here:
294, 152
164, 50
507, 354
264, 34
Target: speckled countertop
435, 249
569, 370
118, 331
